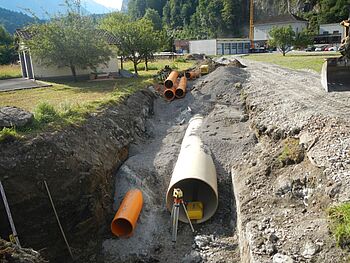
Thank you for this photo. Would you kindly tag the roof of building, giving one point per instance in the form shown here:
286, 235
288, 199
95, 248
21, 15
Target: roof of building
286, 18
25, 34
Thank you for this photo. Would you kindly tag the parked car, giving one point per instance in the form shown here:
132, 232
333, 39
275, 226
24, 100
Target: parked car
321, 48
333, 49
309, 49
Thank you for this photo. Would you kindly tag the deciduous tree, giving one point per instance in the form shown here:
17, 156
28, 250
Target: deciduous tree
282, 38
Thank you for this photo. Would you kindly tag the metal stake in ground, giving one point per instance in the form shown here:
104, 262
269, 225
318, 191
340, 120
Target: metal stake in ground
58, 220
178, 200
9, 216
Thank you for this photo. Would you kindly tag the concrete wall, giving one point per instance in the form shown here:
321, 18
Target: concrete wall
207, 47
42, 71
331, 29
261, 32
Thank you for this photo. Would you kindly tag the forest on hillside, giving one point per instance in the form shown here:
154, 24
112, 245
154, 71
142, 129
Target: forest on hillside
198, 19
12, 20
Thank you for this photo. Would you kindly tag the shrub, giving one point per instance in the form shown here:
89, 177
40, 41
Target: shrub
340, 224
182, 60
45, 113
8, 135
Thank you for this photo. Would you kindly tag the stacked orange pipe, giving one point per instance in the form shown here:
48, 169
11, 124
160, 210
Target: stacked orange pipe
192, 74
181, 88
124, 221
171, 80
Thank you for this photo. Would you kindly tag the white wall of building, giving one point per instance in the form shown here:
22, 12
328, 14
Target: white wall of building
42, 71
207, 47
261, 32
335, 28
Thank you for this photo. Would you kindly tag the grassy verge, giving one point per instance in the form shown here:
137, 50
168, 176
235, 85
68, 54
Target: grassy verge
69, 102
295, 60
340, 224
10, 71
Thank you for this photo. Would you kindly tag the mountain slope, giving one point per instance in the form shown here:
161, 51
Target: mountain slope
41, 7
12, 20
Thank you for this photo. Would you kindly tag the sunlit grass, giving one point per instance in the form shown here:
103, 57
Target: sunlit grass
10, 71
295, 60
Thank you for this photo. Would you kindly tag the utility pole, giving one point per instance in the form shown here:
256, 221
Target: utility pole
251, 23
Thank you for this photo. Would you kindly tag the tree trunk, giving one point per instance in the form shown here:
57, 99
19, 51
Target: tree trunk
135, 65
121, 62
74, 73
146, 63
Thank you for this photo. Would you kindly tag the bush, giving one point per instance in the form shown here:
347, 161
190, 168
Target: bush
182, 60
8, 135
340, 224
45, 113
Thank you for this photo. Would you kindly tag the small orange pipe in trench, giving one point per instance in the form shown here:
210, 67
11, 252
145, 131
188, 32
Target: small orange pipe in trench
124, 221
171, 80
181, 88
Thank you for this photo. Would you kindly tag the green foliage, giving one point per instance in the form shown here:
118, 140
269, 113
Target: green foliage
136, 39
69, 41
153, 16
13, 20
303, 39
8, 53
340, 224
8, 135
282, 38
45, 113
333, 11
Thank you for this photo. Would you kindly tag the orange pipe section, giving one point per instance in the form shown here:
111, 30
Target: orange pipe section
181, 88
192, 74
171, 80
124, 221
169, 94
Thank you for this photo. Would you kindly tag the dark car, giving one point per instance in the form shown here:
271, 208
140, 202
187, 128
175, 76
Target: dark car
309, 49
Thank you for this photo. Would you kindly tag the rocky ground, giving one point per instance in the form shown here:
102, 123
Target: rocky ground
280, 145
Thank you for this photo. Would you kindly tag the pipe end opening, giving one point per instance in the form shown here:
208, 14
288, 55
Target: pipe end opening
179, 93
168, 84
121, 227
169, 94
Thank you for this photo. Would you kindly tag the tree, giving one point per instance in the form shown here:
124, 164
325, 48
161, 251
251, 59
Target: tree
282, 38
69, 41
303, 39
136, 39
8, 53
153, 16
137, 8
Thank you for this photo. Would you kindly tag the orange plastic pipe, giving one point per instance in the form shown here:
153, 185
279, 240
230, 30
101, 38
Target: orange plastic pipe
171, 80
169, 94
124, 221
181, 88
192, 74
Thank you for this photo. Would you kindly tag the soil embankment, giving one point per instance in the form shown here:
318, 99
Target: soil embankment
78, 164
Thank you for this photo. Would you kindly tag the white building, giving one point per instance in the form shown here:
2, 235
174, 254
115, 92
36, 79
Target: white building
263, 27
330, 34
220, 46
32, 68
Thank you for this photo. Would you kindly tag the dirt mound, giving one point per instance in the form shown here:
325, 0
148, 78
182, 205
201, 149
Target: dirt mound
10, 253
195, 56
236, 63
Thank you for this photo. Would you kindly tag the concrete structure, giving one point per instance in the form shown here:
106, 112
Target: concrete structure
33, 68
329, 34
220, 46
263, 27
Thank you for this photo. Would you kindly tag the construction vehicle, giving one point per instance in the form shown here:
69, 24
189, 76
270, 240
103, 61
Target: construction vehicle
335, 74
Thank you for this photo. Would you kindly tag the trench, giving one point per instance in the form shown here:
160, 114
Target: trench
146, 148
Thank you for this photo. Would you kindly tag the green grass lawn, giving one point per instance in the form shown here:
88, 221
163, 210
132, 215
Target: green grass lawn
69, 102
10, 71
295, 60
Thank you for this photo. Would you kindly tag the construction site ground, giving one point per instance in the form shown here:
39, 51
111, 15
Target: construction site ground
281, 147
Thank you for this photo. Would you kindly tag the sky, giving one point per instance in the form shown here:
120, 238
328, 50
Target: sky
110, 3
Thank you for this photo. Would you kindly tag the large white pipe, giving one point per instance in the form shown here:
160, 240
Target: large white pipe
194, 174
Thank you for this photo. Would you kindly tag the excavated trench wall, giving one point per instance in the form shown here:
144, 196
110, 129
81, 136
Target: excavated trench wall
77, 164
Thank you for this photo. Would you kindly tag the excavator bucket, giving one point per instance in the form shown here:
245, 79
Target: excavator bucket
335, 74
